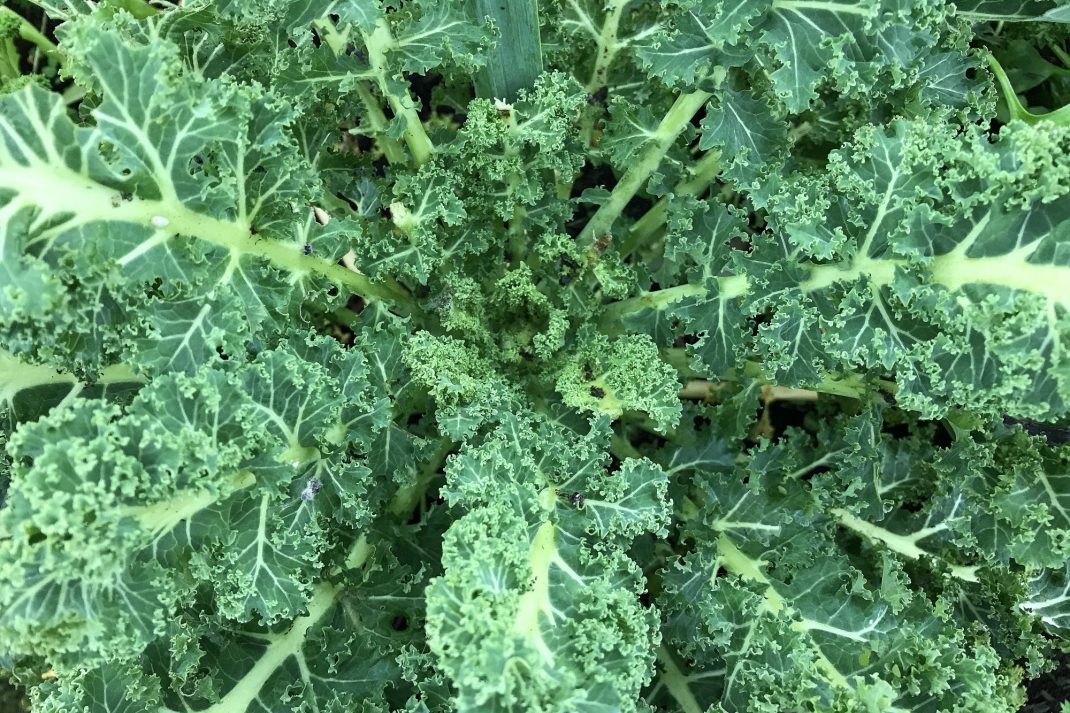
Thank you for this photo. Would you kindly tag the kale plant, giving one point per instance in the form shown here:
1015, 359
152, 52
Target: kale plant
583, 356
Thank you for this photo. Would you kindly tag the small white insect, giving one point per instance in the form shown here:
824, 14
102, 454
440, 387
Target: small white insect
311, 488
304, 501
159, 221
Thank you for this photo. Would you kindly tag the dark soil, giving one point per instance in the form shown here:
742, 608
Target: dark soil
1047, 693
11, 700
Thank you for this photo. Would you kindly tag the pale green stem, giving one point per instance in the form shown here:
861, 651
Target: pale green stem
702, 174
620, 447
605, 51
679, 359
738, 563
337, 42
73, 94
138, 8
675, 121
607, 45
649, 300
285, 256
286, 644
41, 185
391, 148
34, 36
676, 684
1062, 54
378, 42
952, 270
702, 389
9, 59
848, 385
16, 375
517, 237
905, 545
406, 497
1015, 109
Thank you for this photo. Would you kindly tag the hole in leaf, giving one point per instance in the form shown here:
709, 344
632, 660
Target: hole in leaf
422, 86
347, 201
356, 303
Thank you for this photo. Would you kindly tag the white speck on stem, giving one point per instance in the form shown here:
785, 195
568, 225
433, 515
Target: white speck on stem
159, 221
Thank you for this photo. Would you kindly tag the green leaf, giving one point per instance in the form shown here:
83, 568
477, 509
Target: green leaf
177, 489
442, 29
741, 126
623, 375
688, 49
523, 581
714, 362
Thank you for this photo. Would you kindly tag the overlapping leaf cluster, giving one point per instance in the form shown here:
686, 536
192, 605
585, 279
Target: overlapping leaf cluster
724, 368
